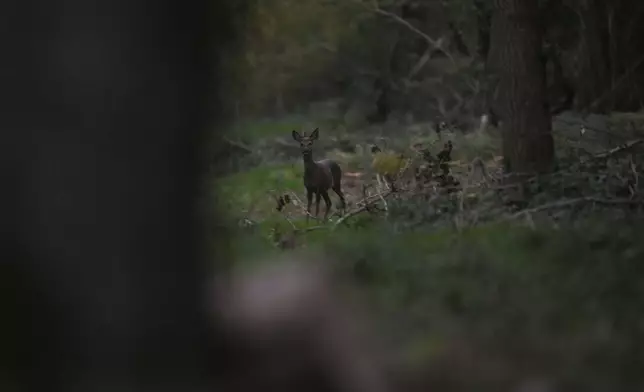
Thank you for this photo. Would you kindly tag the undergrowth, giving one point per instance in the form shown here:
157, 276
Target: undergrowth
543, 277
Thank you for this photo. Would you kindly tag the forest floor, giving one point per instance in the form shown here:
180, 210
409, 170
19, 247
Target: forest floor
545, 286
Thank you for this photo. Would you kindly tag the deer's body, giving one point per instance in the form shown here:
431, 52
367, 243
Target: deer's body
319, 176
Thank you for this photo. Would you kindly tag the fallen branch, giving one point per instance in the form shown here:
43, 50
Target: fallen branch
588, 127
571, 202
237, 145
621, 148
358, 210
300, 204
312, 228
368, 202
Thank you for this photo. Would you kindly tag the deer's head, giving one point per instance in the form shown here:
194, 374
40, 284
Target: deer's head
306, 141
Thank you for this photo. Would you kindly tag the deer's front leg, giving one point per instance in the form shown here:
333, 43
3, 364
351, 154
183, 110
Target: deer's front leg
317, 203
309, 200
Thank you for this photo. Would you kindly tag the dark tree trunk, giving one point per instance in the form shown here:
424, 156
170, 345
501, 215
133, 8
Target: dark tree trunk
103, 285
484, 19
516, 58
457, 40
601, 52
560, 89
593, 81
381, 85
101, 127
611, 61
558, 33
628, 74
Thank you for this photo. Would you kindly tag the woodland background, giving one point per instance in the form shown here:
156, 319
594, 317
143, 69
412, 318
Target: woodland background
529, 272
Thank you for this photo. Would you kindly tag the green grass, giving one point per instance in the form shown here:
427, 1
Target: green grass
252, 192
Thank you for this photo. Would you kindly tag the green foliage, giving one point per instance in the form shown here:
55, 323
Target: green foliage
388, 163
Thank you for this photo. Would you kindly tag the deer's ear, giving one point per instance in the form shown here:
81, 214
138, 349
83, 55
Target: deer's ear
314, 134
296, 136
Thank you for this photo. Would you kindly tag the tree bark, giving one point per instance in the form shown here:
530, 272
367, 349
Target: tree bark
484, 19
594, 77
458, 41
521, 102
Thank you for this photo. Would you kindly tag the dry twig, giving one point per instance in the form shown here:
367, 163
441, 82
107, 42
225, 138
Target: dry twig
621, 148
579, 200
358, 210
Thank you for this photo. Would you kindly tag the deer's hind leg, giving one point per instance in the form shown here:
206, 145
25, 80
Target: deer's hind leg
327, 201
338, 191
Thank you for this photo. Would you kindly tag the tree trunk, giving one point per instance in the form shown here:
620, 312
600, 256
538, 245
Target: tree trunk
559, 32
594, 78
483, 18
458, 41
516, 58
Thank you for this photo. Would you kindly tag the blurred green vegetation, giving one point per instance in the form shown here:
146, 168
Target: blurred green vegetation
571, 295
258, 129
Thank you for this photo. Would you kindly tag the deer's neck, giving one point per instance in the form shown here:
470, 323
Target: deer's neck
309, 163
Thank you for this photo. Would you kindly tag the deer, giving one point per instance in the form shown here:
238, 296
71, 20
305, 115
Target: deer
319, 176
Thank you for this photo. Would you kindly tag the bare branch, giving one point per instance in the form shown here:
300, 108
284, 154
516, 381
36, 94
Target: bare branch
360, 209
420, 64
435, 44
238, 145
624, 147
